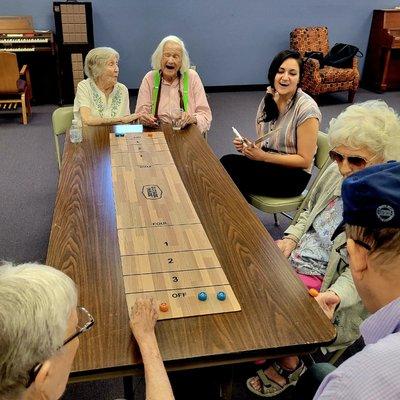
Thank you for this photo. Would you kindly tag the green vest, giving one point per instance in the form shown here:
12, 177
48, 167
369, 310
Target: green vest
156, 89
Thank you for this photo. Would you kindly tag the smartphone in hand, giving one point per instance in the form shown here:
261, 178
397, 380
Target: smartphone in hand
240, 137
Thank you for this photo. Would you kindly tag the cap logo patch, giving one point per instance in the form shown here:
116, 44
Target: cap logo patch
385, 213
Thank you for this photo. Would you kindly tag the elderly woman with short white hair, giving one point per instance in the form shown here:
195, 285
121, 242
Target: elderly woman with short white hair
100, 99
172, 85
39, 329
363, 135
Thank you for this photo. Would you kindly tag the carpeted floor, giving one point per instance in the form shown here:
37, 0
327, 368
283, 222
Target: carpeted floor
28, 185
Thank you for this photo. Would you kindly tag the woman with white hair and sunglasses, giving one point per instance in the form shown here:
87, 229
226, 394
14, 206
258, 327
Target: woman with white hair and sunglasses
364, 134
171, 86
100, 99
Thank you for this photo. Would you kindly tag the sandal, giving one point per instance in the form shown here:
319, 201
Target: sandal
271, 388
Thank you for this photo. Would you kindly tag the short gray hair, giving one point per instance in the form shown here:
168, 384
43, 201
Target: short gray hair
36, 302
96, 61
372, 125
157, 55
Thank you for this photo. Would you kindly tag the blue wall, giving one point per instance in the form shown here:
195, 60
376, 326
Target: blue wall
230, 41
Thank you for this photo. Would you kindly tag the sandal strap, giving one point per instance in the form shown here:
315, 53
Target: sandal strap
290, 376
267, 383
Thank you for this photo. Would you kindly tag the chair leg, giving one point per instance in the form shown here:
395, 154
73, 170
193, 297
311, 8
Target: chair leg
24, 116
276, 219
351, 95
337, 355
287, 215
57, 151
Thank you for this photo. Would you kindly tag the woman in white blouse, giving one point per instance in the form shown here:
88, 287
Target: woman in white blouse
100, 99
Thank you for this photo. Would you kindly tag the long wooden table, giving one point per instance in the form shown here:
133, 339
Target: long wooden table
278, 317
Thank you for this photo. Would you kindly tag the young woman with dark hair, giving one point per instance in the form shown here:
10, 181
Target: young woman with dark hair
280, 165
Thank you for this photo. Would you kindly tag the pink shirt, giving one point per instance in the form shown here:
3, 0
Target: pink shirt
198, 104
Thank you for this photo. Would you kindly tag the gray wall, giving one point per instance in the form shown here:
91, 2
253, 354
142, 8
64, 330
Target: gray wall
230, 41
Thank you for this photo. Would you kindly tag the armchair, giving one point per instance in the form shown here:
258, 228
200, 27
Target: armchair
15, 86
328, 79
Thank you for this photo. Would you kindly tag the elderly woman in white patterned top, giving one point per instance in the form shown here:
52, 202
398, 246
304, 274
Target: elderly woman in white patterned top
100, 99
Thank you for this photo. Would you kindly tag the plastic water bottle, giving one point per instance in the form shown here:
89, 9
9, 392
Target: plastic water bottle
75, 132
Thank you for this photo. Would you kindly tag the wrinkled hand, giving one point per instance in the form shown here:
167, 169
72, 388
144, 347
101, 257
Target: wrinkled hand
148, 120
187, 119
143, 318
253, 152
328, 301
130, 118
286, 246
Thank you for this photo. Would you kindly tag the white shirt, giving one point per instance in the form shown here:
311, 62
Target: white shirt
89, 95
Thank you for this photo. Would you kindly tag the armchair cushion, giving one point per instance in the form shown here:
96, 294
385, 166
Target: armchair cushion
332, 74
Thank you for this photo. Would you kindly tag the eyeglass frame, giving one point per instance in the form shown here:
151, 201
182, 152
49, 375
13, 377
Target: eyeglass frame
344, 246
88, 325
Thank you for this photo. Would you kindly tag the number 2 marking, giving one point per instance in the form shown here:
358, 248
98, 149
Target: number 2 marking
170, 260
174, 279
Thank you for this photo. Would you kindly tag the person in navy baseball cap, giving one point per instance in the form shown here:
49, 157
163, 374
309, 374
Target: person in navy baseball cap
371, 214
371, 198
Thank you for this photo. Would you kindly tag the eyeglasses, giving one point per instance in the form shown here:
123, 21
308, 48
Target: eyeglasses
356, 161
342, 250
85, 323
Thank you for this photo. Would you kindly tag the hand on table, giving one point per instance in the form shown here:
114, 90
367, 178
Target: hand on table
148, 120
143, 318
286, 246
328, 301
187, 119
130, 118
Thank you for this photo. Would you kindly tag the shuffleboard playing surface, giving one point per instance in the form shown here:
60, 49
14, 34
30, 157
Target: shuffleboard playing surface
164, 249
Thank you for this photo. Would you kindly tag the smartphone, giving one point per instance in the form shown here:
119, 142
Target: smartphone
238, 135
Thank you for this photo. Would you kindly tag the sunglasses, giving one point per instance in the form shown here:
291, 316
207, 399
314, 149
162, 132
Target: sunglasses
85, 323
355, 161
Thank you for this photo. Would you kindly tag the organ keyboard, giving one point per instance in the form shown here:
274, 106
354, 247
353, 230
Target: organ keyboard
35, 48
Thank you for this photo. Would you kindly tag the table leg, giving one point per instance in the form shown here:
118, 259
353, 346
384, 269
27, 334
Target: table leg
226, 384
128, 387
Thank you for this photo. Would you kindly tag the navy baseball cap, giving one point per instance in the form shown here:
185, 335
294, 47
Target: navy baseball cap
371, 198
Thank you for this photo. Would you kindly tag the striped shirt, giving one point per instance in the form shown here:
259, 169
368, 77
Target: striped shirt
301, 108
374, 372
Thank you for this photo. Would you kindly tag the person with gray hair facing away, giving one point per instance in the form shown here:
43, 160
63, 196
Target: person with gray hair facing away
40, 325
363, 135
39, 328
170, 86
100, 99
371, 216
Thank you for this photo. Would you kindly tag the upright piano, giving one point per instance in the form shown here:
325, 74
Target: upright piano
35, 48
382, 63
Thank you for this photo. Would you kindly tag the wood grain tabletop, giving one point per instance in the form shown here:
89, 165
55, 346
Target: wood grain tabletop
278, 316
